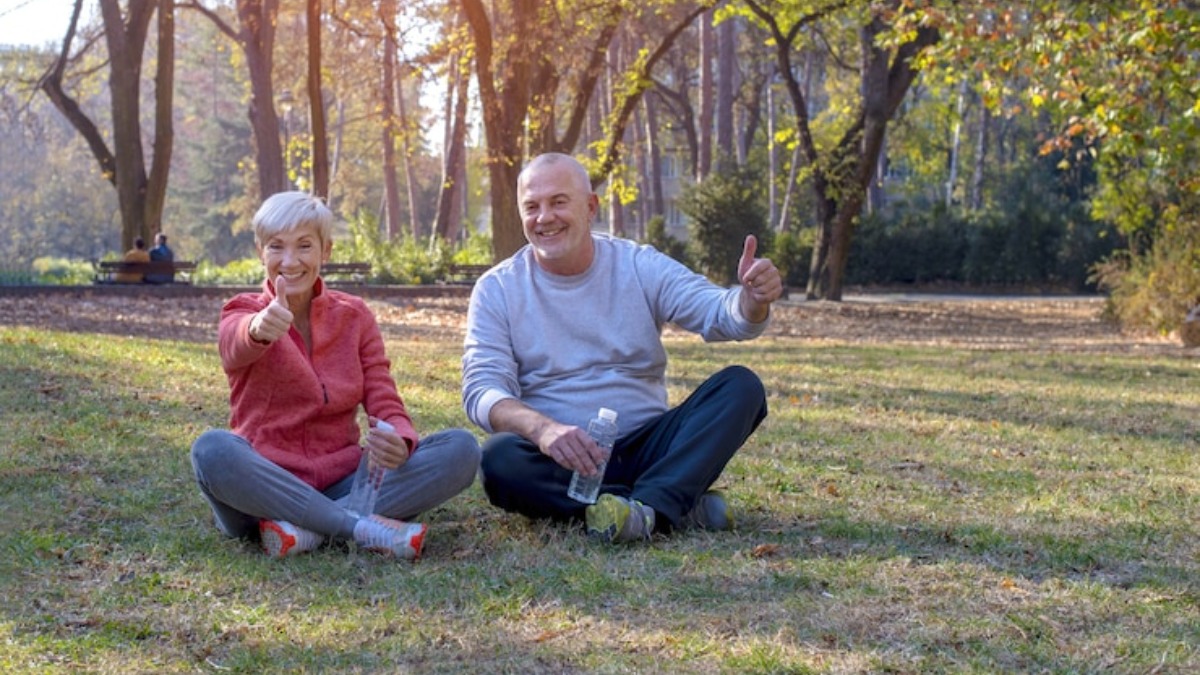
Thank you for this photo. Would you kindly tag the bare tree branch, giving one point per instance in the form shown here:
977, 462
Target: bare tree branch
51, 83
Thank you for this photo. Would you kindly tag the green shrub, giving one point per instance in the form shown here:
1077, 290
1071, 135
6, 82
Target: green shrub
408, 260
244, 272
1043, 235
1154, 291
792, 254
723, 209
475, 250
1151, 197
16, 277
914, 246
392, 262
658, 237
1019, 246
62, 272
401, 262
1085, 242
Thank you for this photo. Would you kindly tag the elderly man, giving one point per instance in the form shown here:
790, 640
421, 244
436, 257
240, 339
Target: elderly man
572, 322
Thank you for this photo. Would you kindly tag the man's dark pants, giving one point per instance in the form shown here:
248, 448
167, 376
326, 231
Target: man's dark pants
667, 464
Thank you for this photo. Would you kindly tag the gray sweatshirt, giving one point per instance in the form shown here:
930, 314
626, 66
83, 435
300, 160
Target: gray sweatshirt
568, 345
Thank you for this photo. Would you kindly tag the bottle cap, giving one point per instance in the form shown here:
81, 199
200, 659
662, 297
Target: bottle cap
608, 414
384, 426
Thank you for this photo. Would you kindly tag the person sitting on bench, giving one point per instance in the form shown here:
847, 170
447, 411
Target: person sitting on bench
161, 253
137, 254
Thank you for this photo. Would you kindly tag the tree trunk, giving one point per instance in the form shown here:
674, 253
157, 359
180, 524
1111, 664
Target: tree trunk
256, 37
504, 157
454, 165
616, 213
629, 96
885, 83
164, 128
316, 102
410, 180
704, 130
956, 143
51, 84
760, 86
680, 105
391, 185
806, 148
726, 59
840, 181
876, 192
785, 209
125, 43
531, 76
139, 198
642, 167
811, 57
658, 205
981, 152
339, 136
772, 159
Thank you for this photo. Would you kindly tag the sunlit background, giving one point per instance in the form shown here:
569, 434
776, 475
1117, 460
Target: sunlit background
36, 22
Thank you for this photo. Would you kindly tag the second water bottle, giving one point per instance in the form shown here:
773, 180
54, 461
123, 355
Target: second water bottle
367, 481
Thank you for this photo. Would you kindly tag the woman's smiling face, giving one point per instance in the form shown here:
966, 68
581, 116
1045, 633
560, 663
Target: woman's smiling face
296, 255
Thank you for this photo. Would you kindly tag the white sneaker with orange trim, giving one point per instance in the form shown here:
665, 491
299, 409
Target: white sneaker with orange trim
281, 539
391, 537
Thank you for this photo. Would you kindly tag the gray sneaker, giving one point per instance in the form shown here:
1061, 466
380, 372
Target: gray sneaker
615, 519
711, 512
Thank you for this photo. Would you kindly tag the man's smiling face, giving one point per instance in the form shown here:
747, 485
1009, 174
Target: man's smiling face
557, 208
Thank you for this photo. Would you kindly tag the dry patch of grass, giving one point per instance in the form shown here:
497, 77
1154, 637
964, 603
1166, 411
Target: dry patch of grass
907, 507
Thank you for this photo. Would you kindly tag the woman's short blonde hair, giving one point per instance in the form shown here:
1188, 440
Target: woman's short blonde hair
286, 211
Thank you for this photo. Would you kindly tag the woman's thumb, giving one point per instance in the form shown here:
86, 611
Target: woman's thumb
281, 292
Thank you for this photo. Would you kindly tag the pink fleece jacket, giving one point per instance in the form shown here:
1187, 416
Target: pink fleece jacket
300, 411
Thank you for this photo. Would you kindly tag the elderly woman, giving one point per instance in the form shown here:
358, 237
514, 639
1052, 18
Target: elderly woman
301, 358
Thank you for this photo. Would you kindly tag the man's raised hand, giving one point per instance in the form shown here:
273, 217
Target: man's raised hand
761, 282
749, 247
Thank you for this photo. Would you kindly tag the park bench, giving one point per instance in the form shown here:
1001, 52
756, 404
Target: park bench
353, 272
458, 273
107, 270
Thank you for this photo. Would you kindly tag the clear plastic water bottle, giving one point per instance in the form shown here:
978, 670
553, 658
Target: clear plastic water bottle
602, 429
367, 481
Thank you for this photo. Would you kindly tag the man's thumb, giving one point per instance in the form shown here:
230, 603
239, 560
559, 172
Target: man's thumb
748, 250
281, 292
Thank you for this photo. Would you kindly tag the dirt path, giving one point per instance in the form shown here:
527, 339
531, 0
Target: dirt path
1065, 324
1062, 324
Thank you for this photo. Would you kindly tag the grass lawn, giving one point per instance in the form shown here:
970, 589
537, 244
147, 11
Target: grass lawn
904, 509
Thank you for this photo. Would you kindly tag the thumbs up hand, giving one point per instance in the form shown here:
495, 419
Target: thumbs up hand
747, 260
274, 321
761, 282
281, 298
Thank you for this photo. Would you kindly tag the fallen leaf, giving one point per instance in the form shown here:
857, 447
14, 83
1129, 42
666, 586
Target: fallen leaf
548, 635
765, 550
